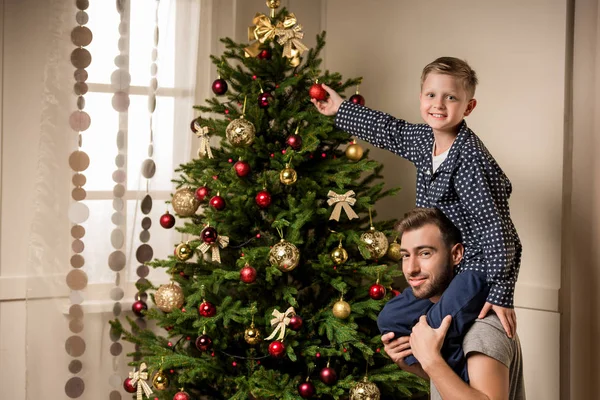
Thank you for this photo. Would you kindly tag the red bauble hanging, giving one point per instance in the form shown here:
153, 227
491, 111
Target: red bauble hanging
217, 202
277, 349
295, 322
181, 396
248, 274
306, 390
328, 375
207, 309
265, 54
357, 99
395, 292
264, 99
203, 342
202, 192
294, 141
263, 199
377, 291
138, 307
167, 220
209, 235
219, 87
317, 92
242, 168
129, 388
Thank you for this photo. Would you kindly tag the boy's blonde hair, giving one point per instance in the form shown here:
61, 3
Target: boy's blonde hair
454, 67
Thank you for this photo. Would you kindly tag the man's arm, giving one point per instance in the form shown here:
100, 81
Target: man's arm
489, 378
397, 350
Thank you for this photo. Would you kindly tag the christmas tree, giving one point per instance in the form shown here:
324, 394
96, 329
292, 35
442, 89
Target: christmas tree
276, 292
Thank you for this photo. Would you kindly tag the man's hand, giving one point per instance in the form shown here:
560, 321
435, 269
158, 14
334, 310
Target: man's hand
507, 317
426, 342
331, 104
398, 349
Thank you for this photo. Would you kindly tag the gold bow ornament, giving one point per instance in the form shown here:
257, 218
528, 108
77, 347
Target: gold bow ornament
280, 321
222, 242
139, 378
288, 31
344, 201
202, 133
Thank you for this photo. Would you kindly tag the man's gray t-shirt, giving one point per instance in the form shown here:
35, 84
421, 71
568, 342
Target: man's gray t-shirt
487, 337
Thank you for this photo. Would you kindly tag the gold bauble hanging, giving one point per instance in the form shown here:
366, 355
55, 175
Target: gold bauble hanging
376, 242
252, 335
339, 255
393, 252
273, 3
354, 151
169, 297
365, 390
288, 175
183, 251
160, 380
341, 309
184, 202
240, 132
284, 255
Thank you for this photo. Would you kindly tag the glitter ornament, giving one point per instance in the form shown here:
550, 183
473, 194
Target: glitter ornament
365, 390
248, 274
317, 92
284, 255
169, 297
376, 242
184, 202
240, 132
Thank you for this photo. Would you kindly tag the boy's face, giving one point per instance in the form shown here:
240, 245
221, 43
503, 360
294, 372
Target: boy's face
444, 103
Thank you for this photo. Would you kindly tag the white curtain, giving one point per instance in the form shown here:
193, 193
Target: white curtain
49, 369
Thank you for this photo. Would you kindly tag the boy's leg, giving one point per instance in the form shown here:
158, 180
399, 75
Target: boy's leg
401, 313
463, 300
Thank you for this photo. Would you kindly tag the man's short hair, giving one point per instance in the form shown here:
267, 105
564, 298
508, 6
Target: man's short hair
419, 217
454, 67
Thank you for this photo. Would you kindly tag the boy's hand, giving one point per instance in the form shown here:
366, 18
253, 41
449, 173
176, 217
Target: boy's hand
331, 104
397, 349
507, 316
426, 342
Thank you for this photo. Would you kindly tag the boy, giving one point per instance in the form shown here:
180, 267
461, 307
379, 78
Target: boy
456, 174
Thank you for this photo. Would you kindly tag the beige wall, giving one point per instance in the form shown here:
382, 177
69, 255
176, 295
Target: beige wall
520, 50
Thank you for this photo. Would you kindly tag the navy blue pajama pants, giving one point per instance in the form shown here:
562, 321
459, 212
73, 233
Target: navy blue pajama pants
463, 300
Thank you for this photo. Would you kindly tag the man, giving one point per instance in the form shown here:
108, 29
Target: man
431, 250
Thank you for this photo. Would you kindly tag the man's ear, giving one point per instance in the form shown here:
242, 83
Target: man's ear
457, 252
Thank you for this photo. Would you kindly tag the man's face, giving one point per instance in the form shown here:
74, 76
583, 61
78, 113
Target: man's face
427, 263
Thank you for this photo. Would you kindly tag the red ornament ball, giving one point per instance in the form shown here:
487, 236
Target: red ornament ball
203, 342
248, 274
265, 54
295, 322
242, 168
207, 309
264, 99
181, 396
129, 388
294, 141
219, 87
138, 307
357, 99
395, 292
202, 192
167, 220
217, 202
317, 92
263, 199
328, 376
209, 235
277, 349
377, 291
306, 390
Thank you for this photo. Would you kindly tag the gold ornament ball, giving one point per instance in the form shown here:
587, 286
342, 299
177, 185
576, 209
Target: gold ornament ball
240, 132
341, 309
339, 255
354, 152
365, 390
376, 243
169, 297
252, 336
184, 202
183, 252
284, 255
394, 252
288, 176
273, 3
160, 381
